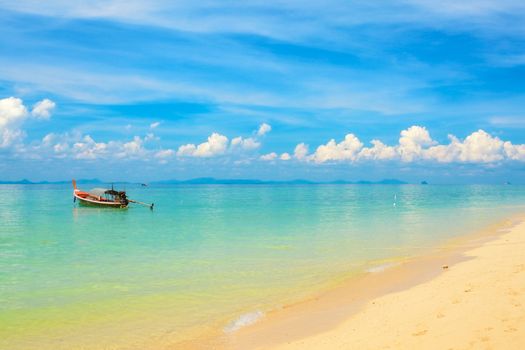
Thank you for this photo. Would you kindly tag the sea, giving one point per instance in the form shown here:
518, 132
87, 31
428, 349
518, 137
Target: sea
208, 259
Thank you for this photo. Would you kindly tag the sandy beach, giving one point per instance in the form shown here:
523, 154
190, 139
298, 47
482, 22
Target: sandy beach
467, 295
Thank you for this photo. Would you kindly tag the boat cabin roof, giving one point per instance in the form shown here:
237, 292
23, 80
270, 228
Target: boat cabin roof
99, 192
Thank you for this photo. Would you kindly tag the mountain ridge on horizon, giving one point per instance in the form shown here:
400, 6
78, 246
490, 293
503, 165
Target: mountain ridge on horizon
213, 181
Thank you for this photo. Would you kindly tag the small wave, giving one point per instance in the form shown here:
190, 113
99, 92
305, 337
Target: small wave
243, 321
379, 268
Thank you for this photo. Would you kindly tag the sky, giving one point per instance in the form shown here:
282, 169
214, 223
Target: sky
334, 90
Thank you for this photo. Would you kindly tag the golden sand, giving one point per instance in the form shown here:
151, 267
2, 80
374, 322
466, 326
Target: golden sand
471, 296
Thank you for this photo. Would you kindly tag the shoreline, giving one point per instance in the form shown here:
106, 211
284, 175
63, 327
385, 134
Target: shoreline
320, 318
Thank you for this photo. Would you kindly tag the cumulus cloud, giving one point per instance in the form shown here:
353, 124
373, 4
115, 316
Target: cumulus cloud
416, 144
186, 150
478, 147
43, 109
514, 152
274, 156
269, 156
245, 143
378, 151
165, 153
133, 148
348, 149
84, 147
9, 137
217, 144
13, 113
301, 151
89, 149
412, 141
264, 129
285, 156
75, 145
59, 144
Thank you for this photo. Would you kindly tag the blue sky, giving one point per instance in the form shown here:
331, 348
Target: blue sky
148, 90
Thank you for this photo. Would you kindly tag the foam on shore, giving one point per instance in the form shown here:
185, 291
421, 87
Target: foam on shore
243, 321
380, 268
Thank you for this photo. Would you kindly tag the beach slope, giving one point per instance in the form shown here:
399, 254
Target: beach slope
476, 303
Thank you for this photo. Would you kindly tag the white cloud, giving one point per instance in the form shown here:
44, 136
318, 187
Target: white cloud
165, 153
12, 111
186, 150
89, 149
514, 152
217, 144
478, 147
415, 144
378, 151
13, 114
132, 149
481, 147
77, 146
269, 156
285, 156
9, 137
245, 143
301, 151
59, 144
348, 149
264, 129
412, 141
445, 153
43, 109
61, 147
154, 125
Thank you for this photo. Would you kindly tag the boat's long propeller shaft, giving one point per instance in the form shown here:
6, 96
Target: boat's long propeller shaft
142, 203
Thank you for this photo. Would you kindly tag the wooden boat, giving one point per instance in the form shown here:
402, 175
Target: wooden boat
101, 197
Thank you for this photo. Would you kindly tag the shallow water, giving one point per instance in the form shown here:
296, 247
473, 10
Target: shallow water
208, 257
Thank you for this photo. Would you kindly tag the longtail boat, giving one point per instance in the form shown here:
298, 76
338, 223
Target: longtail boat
101, 197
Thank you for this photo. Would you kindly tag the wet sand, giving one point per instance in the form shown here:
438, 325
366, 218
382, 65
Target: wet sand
468, 294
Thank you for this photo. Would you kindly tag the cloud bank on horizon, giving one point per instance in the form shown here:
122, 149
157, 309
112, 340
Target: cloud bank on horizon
239, 89
415, 144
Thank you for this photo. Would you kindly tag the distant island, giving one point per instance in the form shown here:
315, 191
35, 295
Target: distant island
28, 182
213, 181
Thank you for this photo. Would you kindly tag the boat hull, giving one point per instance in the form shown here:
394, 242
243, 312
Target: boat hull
100, 204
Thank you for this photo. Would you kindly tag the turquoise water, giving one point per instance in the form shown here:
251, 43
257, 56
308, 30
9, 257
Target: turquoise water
81, 277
